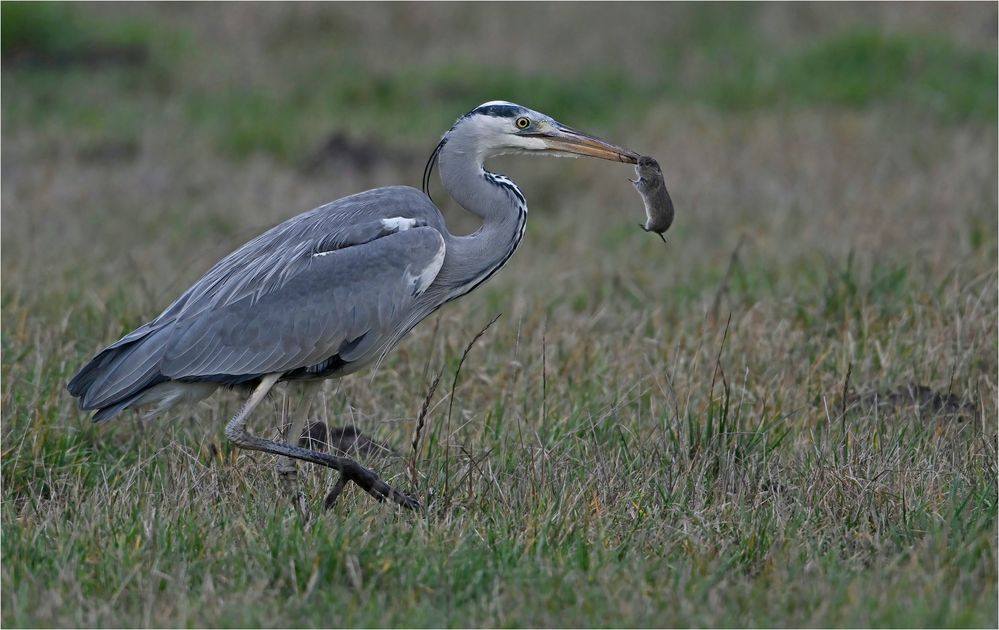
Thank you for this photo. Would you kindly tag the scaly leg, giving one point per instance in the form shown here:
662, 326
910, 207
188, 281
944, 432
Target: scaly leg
350, 470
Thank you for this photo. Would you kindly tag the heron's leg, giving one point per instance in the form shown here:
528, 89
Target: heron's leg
350, 470
293, 421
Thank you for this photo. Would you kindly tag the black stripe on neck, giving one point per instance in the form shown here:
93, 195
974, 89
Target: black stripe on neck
507, 185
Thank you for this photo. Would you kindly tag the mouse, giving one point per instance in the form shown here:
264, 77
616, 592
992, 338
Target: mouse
658, 204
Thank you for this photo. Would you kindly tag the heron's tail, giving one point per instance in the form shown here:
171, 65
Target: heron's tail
120, 374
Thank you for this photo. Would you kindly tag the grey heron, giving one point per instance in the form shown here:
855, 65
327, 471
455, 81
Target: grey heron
327, 292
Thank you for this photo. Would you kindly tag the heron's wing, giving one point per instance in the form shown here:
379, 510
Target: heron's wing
333, 304
250, 296
265, 263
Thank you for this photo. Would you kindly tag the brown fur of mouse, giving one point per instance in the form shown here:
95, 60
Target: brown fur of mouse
651, 185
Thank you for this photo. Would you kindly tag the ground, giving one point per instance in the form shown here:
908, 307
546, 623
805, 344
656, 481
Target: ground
784, 416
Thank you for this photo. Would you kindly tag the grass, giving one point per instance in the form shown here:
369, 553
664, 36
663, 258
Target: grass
864, 67
648, 436
50, 30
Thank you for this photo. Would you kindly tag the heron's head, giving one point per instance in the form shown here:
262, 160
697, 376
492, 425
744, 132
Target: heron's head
499, 127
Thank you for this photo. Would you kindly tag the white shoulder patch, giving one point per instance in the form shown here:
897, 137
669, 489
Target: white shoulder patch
398, 224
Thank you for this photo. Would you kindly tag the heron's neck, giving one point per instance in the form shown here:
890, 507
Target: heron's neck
497, 201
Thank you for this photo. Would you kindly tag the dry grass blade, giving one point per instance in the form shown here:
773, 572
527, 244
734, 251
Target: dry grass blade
420, 421
450, 404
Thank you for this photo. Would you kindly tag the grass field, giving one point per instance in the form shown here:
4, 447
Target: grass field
649, 435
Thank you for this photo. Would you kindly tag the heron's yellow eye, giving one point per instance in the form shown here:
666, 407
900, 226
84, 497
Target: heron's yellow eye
523, 123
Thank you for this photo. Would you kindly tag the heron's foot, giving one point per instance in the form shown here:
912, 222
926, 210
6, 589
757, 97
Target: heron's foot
319, 437
236, 432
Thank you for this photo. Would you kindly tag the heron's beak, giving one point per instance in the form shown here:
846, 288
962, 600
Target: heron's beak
568, 140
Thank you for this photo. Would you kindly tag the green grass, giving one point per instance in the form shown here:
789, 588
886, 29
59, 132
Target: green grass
866, 66
650, 435
56, 31
40, 27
